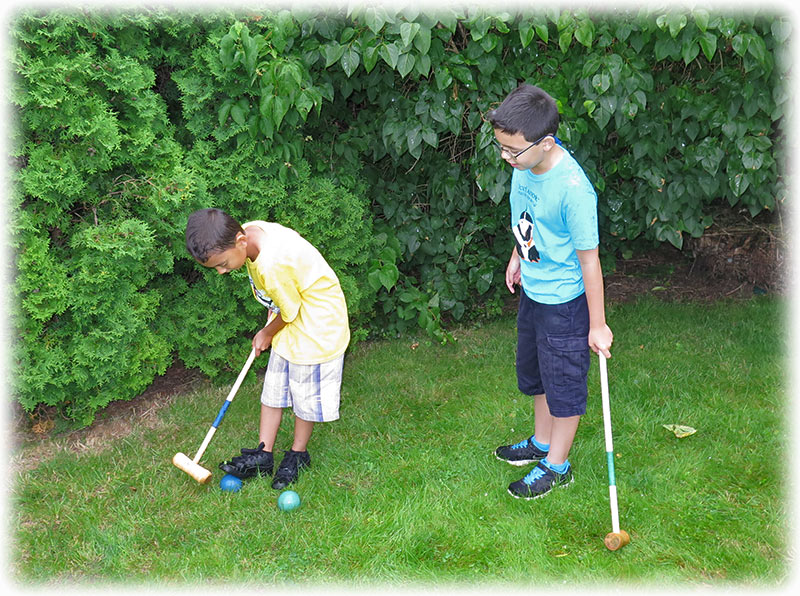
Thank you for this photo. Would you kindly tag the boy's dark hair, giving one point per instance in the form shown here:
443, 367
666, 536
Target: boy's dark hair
529, 110
209, 231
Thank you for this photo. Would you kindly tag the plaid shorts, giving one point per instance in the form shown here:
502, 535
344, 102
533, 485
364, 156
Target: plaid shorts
311, 390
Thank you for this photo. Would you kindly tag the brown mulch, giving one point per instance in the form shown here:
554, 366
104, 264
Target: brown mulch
118, 419
728, 261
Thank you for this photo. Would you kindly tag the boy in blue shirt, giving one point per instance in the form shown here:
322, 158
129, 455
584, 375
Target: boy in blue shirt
555, 260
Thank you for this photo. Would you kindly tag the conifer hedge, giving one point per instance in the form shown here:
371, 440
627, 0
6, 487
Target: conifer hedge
361, 128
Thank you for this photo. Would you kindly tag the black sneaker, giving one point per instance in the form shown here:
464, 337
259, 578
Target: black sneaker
538, 482
249, 463
292, 463
520, 454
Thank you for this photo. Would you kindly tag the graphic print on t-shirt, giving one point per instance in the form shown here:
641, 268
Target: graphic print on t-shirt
523, 234
262, 297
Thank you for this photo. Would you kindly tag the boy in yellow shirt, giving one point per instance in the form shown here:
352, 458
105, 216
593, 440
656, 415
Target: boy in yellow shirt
308, 330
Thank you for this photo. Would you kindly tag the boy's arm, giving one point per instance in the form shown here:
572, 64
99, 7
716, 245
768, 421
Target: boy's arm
513, 273
600, 336
263, 339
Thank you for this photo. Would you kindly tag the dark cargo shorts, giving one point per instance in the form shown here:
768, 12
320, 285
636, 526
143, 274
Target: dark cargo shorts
553, 353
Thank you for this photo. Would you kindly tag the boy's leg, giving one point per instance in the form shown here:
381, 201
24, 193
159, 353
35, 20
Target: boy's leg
275, 396
315, 391
561, 438
564, 359
302, 433
268, 426
559, 433
543, 421
296, 458
563, 353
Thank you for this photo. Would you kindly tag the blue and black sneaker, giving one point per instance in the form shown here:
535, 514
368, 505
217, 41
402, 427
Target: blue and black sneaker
538, 482
520, 454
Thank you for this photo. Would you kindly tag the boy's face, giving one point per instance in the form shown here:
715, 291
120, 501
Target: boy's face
229, 259
522, 154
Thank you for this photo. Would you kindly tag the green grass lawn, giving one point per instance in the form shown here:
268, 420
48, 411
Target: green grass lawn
405, 489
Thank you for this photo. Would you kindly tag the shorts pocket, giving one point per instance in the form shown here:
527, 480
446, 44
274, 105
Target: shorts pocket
568, 359
568, 343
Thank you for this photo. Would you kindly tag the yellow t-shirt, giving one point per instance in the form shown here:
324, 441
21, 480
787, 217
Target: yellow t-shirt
292, 277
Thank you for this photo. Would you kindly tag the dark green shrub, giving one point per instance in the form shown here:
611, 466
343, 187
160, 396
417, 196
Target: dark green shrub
96, 183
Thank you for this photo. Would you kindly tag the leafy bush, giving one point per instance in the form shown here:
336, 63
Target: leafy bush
364, 130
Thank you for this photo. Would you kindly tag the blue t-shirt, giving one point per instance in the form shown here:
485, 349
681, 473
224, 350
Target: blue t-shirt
553, 215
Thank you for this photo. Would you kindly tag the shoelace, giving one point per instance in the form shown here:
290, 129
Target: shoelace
521, 445
534, 475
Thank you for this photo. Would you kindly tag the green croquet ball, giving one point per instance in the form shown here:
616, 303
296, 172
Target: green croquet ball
288, 500
230, 483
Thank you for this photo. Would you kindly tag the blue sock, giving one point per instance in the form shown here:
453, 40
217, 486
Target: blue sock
558, 469
542, 446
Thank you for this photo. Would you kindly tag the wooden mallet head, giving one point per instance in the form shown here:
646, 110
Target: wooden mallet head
195, 470
616, 540
191, 466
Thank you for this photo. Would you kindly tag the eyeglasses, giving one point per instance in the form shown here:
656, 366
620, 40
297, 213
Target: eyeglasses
502, 149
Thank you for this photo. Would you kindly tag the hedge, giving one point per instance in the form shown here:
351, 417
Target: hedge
363, 128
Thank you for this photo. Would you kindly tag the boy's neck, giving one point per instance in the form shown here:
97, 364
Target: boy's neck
253, 235
549, 162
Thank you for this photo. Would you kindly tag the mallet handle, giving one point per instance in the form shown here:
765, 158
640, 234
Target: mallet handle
224, 408
205, 443
612, 481
606, 403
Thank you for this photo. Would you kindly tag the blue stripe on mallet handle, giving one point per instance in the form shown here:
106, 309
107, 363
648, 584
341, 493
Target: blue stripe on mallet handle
191, 466
617, 538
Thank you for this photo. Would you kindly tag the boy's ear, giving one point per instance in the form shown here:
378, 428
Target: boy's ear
240, 238
548, 143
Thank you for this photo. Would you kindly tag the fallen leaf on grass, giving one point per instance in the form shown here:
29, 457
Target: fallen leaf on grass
680, 430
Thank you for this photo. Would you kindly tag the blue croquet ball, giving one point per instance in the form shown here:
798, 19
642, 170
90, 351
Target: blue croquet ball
230, 483
288, 500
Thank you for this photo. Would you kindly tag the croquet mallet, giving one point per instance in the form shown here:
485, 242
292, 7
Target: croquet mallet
617, 538
191, 466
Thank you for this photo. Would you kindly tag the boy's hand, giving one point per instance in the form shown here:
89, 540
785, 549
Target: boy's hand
513, 273
262, 341
600, 340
